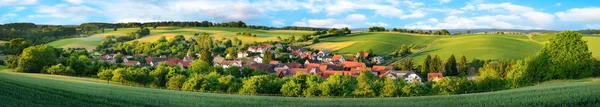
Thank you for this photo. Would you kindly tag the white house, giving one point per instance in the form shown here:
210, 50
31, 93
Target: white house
411, 77
242, 54
378, 60
258, 59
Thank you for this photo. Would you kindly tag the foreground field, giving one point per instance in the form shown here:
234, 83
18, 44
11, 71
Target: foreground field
382, 43
21, 89
169, 32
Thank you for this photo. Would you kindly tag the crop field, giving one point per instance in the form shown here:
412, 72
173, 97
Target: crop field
482, 46
169, 32
382, 43
22, 89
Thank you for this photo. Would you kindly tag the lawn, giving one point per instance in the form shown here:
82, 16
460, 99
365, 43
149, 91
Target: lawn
482, 46
382, 43
20, 89
169, 32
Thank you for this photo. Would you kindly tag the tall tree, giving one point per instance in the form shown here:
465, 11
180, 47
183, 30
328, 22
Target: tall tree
450, 67
435, 65
406, 65
426, 66
462, 65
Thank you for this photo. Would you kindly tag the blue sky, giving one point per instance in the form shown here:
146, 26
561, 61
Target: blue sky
421, 14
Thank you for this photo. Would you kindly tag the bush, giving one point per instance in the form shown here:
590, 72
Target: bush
60, 69
453, 85
291, 88
176, 82
34, 58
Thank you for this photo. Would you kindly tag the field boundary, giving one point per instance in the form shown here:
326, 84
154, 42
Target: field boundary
418, 51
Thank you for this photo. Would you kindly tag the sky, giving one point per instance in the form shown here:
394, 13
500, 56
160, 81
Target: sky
415, 14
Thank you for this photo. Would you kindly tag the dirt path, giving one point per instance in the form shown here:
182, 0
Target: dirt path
530, 38
418, 51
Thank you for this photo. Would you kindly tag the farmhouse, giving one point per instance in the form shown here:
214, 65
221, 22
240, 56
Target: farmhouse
434, 76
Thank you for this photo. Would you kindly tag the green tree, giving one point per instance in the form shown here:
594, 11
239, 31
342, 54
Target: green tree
12, 61
193, 83
60, 69
268, 56
35, 58
364, 88
452, 85
425, 66
105, 74
160, 75
404, 50
435, 65
462, 66
312, 86
390, 88
450, 66
406, 65
176, 82
120, 75
413, 89
315, 40
518, 76
262, 84
291, 88
565, 56
200, 66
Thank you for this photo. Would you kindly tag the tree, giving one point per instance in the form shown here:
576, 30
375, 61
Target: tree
436, 65
390, 88
518, 76
413, 89
115, 28
160, 75
468, 31
363, 87
17, 45
452, 85
60, 69
234, 71
153, 26
450, 67
12, 61
312, 86
193, 83
35, 58
425, 66
105, 74
262, 84
337, 85
176, 82
268, 56
291, 88
315, 40
406, 65
462, 66
200, 66
565, 56
120, 75
404, 50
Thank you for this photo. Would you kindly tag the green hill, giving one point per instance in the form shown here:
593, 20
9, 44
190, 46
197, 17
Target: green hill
482, 46
18, 89
169, 32
382, 43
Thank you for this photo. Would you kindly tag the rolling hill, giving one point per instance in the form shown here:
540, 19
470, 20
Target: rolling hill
482, 46
17, 89
382, 43
170, 32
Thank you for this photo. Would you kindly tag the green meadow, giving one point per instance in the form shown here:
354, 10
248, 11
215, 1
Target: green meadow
23, 89
169, 32
382, 43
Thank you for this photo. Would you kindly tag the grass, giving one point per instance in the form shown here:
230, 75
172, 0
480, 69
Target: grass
382, 43
169, 32
482, 46
18, 89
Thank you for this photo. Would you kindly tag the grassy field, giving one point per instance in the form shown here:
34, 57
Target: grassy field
382, 43
482, 46
593, 42
19, 89
169, 32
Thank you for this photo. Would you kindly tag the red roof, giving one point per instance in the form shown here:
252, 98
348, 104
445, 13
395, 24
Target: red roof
294, 65
148, 59
274, 62
184, 64
172, 61
350, 59
348, 64
336, 57
130, 63
364, 54
433, 76
382, 69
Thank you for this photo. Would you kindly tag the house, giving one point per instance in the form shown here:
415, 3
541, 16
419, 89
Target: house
293, 48
259, 66
218, 59
351, 59
294, 65
389, 74
258, 59
323, 53
242, 54
434, 76
363, 55
290, 72
411, 77
378, 60
110, 58
337, 59
188, 58
324, 58
295, 54
279, 46
227, 64
126, 58
183, 64
153, 61
253, 49
172, 61
308, 55
308, 61
131, 63
380, 70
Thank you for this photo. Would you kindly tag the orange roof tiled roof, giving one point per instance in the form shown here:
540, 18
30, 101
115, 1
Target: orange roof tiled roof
130, 63
336, 57
382, 69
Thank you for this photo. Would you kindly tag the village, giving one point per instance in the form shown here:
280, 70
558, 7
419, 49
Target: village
322, 63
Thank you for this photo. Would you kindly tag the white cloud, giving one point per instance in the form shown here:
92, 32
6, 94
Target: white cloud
277, 23
457, 22
74, 1
377, 24
9, 15
299, 24
593, 26
17, 2
18, 9
356, 17
433, 20
509, 7
580, 15
445, 1
73, 13
412, 4
558, 4
322, 23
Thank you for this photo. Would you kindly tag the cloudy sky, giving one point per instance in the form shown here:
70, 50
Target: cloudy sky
421, 14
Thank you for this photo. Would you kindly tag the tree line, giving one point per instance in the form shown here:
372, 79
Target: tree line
35, 33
